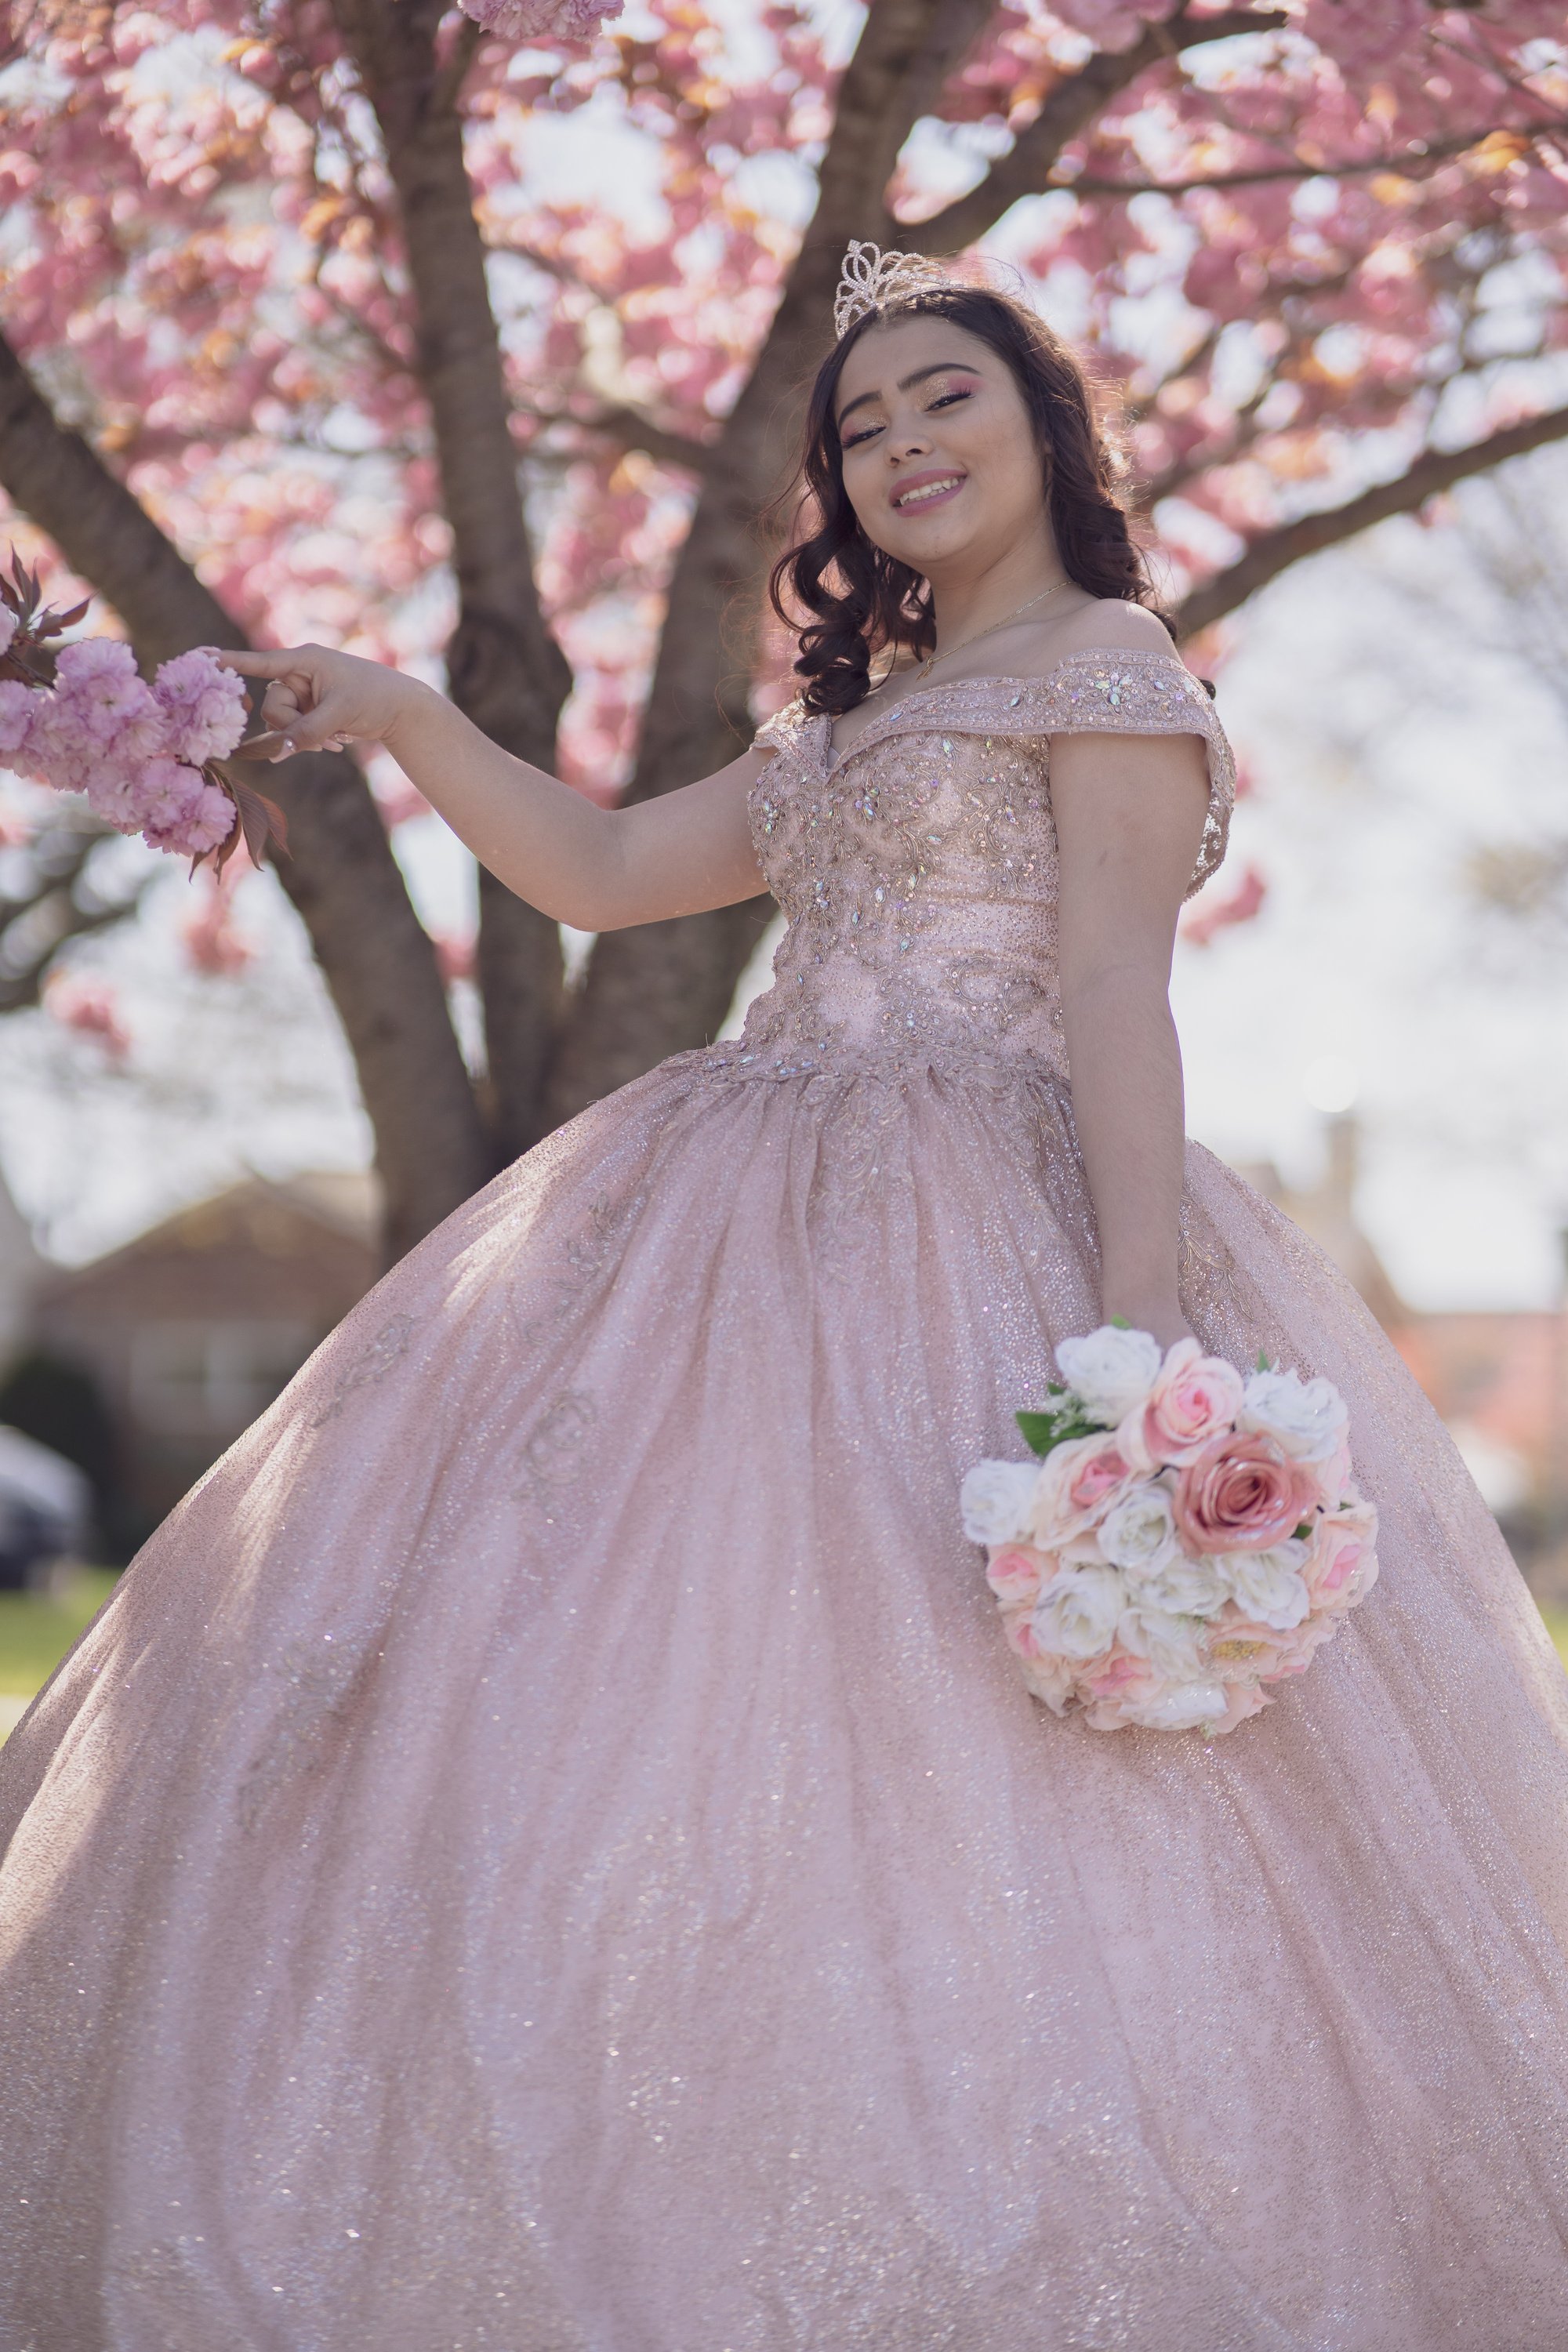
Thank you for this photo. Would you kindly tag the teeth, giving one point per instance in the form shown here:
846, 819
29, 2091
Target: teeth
928, 491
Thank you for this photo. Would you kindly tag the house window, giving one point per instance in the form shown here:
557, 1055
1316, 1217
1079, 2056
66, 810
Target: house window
211, 1380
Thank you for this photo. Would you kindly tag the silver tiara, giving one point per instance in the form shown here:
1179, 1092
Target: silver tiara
871, 280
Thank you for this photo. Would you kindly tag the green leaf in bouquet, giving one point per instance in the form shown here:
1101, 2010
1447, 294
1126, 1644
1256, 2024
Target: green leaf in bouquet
1043, 1432
1120, 1323
1039, 1430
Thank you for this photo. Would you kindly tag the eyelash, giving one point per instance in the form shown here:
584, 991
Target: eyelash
943, 399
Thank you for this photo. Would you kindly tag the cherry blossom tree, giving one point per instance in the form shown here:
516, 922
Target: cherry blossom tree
304, 336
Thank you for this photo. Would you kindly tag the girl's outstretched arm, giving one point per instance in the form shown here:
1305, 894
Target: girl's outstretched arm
598, 869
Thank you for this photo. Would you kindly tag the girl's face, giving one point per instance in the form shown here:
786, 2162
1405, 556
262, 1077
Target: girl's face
941, 463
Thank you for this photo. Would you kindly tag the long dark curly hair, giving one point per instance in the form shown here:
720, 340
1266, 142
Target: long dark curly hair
861, 600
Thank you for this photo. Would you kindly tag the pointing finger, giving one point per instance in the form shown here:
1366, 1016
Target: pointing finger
259, 664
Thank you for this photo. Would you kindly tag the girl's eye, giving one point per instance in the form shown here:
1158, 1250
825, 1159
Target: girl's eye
865, 434
946, 399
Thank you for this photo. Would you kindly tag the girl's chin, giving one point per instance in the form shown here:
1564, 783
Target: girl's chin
921, 548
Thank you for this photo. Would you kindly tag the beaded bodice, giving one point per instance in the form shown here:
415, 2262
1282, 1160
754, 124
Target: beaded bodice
917, 867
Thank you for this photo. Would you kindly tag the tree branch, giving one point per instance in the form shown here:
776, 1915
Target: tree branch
341, 875
58, 902
1438, 470
1409, 166
1070, 107
630, 429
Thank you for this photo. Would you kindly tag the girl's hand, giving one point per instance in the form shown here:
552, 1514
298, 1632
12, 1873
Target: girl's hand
318, 701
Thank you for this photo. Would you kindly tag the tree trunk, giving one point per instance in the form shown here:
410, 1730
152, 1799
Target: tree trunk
341, 873
504, 669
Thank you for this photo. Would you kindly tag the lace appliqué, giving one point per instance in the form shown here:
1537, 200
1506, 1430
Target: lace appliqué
554, 1452
371, 1364
584, 1258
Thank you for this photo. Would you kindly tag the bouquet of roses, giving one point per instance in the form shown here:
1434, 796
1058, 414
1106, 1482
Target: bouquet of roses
1189, 1539
85, 719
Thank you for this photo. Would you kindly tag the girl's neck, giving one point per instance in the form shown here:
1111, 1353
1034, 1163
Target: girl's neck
962, 603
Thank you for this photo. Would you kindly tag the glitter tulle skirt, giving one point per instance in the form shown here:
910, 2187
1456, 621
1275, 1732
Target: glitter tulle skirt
547, 1849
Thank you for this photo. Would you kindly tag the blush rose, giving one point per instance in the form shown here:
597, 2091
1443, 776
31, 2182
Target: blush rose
1242, 1494
1195, 1400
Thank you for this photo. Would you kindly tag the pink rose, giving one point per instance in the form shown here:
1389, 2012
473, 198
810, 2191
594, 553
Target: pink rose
1078, 1483
1243, 1699
1050, 1679
1242, 1494
1015, 1573
1244, 1651
1195, 1400
1333, 1476
1342, 1562
1121, 1674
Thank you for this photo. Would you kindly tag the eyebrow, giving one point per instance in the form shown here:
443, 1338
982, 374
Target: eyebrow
908, 383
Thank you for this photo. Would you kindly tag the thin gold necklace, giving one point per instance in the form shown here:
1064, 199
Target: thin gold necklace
932, 659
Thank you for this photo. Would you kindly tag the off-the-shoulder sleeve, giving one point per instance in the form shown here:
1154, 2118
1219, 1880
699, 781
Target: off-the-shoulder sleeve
789, 730
1141, 692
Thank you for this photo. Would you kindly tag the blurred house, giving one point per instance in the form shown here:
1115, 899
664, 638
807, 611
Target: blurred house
187, 1332
1499, 1380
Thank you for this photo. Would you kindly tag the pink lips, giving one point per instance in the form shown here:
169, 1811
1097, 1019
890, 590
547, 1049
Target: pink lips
918, 481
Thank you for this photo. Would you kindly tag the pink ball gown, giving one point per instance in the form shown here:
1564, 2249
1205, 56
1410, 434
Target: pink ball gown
547, 1849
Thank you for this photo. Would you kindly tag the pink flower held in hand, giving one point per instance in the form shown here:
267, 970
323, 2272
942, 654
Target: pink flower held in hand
203, 703
1194, 1401
1241, 1494
103, 707
207, 818
19, 709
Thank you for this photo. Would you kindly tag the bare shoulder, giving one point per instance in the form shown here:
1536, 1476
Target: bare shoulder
1108, 625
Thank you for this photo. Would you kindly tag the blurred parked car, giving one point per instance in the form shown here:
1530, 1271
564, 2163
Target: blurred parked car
46, 1508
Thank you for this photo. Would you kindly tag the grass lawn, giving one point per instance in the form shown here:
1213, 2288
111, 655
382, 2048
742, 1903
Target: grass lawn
34, 1634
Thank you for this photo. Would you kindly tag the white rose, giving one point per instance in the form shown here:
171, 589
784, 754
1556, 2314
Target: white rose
1305, 1418
995, 1500
1172, 1645
1269, 1585
1111, 1371
1182, 1709
1139, 1533
1075, 1616
1181, 1587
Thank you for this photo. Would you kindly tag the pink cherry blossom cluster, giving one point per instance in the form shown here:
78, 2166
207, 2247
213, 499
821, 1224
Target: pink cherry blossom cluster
139, 752
1191, 1538
542, 21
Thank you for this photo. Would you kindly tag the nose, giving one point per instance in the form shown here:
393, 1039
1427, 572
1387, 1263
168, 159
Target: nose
908, 438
